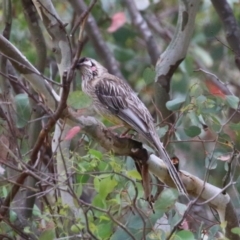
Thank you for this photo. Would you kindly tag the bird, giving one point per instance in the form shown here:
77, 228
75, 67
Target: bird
114, 99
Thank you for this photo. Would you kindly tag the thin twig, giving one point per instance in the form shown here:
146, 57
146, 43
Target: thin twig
42, 135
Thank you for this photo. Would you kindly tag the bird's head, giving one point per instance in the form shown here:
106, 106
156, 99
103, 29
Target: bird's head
90, 68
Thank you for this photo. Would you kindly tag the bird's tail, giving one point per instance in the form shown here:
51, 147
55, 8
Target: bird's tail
171, 168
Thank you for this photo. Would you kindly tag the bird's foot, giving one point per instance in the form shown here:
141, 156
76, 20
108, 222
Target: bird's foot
126, 135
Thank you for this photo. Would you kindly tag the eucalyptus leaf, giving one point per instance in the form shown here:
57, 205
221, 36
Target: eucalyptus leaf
213, 231
204, 55
192, 131
236, 230
175, 104
98, 201
232, 101
23, 109
210, 163
162, 131
235, 126
12, 216
167, 199
149, 75
184, 235
142, 5
95, 154
105, 230
47, 235
106, 186
134, 174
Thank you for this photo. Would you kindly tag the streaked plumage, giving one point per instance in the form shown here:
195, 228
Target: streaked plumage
114, 98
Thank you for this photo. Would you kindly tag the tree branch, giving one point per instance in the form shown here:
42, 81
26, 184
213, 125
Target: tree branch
97, 39
36, 34
230, 26
175, 53
142, 26
29, 72
34, 155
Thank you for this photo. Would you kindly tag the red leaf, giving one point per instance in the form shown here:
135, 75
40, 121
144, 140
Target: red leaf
72, 132
214, 89
118, 20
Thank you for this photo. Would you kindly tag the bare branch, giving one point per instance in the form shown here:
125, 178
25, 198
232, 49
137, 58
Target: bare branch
142, 26
96, 38
230, 26
52, 121
36, 34
56, 29
23, 66
175, 53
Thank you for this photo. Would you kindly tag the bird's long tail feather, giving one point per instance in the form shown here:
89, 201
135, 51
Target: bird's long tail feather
171, 168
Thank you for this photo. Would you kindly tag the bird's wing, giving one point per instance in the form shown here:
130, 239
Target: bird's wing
120, 100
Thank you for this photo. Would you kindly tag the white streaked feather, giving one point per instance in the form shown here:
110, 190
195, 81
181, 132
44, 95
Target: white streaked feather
132, 115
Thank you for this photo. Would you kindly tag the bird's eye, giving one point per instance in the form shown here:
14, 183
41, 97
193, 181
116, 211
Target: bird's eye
85, 62
82, 60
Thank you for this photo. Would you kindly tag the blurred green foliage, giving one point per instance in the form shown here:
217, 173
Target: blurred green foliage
199, 115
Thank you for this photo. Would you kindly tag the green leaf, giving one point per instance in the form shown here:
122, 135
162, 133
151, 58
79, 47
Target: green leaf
47, 235
13, 216
196, 92
181, 208
78, 99
5, 191
120, 234
134, 174
210, 164
166, 200
23, 109
106, 186
175, 104
124, 36
235, 126
104, 218
200, 100
134, 226
192, 131
232, 101
213, 231
105, 230
79, 189
236, 230
98, 201
107, 5
135, 222
36, 211
162, 131
184, 235
95, 154
203, 55
27, 229
149, 75
96, 183
76, 228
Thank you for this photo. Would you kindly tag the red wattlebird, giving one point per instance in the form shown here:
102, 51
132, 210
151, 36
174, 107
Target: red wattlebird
114, 99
